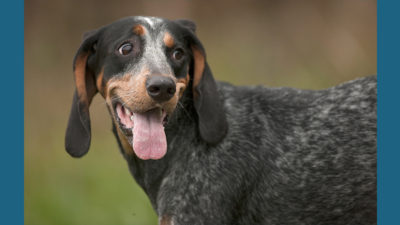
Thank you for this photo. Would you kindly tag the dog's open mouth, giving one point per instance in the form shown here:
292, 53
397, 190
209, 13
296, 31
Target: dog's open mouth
147, 130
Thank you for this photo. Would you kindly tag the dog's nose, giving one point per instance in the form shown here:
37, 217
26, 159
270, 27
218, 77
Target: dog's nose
160, 88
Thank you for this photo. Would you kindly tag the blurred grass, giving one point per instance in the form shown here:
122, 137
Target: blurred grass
305, 44
96, 189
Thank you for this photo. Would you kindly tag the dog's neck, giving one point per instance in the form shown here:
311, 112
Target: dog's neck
181, 130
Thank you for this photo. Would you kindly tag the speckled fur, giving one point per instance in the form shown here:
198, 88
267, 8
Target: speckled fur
290, 157
278, 156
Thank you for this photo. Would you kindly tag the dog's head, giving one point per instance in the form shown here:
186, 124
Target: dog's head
142, 66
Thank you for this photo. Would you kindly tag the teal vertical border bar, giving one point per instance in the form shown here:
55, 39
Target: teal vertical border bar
388, 112
12, 112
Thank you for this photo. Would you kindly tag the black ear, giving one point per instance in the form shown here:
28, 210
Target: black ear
78, 134
88, 34
211, 114
188, 24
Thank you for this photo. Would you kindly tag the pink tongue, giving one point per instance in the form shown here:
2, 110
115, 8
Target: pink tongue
149, 141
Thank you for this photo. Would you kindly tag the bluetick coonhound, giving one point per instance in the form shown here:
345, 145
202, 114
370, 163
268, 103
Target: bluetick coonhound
208, 152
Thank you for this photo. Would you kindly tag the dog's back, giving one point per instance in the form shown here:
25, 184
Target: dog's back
290, 157
317, 150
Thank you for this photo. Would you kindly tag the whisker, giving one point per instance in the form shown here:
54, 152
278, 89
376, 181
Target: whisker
185, 111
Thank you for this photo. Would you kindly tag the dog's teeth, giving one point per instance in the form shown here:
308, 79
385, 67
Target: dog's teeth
132, 117
127, 112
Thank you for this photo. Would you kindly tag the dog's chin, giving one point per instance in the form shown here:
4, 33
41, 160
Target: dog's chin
143, 130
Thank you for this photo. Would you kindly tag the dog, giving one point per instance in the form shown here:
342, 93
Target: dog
208, 152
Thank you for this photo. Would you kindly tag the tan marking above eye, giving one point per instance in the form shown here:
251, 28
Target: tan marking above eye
139, 29
168, 40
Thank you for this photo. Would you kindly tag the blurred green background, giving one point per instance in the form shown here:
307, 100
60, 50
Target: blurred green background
304, 44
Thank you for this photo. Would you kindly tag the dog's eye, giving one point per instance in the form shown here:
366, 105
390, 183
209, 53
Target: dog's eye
177, 54
125, 49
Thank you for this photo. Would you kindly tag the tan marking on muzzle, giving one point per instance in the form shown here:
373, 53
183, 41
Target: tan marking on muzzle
122, 138
131, 89
181, 85
124, 142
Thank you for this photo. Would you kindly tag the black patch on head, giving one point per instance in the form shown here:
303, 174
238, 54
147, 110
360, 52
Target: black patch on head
112, 38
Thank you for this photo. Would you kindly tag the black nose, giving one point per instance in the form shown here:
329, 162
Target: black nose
160, 88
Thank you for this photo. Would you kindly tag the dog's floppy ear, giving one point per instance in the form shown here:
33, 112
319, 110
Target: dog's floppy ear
212, 122
78, 134
188, 24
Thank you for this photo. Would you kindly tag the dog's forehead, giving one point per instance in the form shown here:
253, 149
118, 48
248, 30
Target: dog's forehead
149, 28
151, 34
156, 28
153, 40
151, 22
